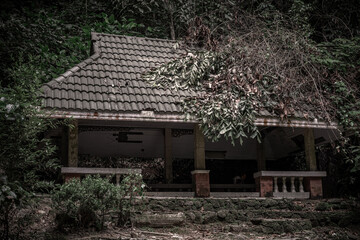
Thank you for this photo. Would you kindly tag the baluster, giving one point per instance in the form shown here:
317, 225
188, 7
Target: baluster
276, 187
284, 185
301, 187
292, 184
117, 179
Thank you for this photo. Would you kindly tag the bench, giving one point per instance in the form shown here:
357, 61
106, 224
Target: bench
77, 172
268, 183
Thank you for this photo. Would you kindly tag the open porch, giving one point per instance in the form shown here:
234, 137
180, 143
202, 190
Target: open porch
191, 165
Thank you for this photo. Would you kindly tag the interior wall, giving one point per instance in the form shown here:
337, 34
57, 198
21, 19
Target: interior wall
278, 144
104, 143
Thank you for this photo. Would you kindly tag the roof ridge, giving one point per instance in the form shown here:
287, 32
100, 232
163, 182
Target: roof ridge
79, 66
94, 36
74, 69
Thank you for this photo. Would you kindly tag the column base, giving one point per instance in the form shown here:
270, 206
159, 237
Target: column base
201, 183
264, 185
314, 186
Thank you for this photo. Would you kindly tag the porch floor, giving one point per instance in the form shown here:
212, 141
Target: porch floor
212, 194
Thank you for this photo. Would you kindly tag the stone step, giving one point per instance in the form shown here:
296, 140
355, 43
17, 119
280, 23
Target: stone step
165, 219
188, 204
230, 216
270, 226
260, 225
158, 220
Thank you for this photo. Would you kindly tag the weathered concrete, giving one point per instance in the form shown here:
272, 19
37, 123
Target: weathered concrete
199, 149
264, 185
201, 182
314, 186
73, 144
310, 156
168, 156
295, 195
159, 220
260, 215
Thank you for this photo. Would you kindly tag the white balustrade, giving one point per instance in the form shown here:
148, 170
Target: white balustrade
292, 185
294, 179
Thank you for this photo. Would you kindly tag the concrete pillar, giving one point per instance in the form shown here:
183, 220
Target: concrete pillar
73, 145
64, 146
309, 143
264, 185
200, 176
199, 149
168, 156
313, 184
201, 182
260, 155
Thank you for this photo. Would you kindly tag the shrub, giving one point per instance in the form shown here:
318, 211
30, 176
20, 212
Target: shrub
86, 203
7, 207
13, 198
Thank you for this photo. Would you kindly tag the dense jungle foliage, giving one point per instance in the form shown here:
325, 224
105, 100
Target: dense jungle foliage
245, 56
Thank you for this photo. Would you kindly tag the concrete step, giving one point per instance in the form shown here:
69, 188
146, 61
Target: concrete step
270, 226
213, 204
332, 212
230, 216
167, 219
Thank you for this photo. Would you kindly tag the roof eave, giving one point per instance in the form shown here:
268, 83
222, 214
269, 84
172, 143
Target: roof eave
151, 116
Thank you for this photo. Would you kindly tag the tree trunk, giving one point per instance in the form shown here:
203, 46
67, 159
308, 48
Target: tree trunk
170, 8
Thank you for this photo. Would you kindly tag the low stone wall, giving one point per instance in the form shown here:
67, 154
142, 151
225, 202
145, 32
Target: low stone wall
263, 215
209, 204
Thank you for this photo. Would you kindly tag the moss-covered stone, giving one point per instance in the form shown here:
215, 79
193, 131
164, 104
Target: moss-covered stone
323, 206
209, 217
208, 206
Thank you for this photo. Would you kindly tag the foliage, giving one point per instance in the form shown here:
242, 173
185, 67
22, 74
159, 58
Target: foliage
85, 203
26, 156
59, 39
255, 69
12, 198
342, 58
7, 203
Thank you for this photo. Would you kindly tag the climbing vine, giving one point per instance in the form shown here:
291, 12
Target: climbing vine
257, 69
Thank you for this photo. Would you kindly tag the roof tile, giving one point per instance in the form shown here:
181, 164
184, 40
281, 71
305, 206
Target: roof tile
111, 80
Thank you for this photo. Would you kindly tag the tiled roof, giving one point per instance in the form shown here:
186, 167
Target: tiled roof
110, 80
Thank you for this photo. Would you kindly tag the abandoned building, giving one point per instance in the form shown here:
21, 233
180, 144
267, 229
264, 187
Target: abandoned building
118, 115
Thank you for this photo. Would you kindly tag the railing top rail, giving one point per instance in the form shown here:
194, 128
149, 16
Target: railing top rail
290, 174
81, 170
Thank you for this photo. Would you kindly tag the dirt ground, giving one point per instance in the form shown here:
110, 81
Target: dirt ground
213, 231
